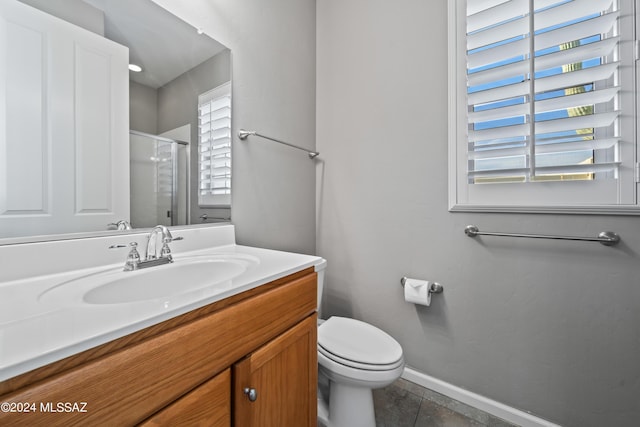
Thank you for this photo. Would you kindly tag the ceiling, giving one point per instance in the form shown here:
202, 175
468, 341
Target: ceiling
162, 44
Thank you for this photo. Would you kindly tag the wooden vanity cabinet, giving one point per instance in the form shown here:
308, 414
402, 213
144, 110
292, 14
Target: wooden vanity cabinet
192, 369
271, 388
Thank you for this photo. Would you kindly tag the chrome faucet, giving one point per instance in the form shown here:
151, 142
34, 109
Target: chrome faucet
159, 232
152, 243
121, 225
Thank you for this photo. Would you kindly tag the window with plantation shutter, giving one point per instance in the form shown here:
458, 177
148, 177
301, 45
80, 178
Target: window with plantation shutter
214, 147
543, 105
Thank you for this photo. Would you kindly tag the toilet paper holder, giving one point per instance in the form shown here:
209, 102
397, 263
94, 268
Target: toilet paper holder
434, 288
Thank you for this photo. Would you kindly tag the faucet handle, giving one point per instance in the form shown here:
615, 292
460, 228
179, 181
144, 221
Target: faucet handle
166, 252
133, 258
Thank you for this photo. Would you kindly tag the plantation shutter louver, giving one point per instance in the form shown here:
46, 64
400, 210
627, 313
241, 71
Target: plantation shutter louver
562, 124
215, 146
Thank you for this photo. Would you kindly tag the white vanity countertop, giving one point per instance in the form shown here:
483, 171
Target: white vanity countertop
34, 333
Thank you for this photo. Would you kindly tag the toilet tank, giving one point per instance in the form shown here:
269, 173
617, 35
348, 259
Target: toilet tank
320, 268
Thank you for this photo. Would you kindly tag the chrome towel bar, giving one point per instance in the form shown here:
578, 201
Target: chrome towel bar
243, 134
607, 238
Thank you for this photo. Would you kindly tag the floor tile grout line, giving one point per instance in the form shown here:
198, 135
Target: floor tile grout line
415, 420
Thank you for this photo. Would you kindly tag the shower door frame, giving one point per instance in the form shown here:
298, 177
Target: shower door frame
174, 172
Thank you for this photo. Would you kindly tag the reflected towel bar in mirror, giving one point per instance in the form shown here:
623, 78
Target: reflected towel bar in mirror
243, 134
607, 238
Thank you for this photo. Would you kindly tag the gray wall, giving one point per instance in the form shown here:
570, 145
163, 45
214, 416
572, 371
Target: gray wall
273, 49
143, 108
549, 327
178, 105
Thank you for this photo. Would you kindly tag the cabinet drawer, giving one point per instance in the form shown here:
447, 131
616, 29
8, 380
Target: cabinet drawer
207, 405
129, 385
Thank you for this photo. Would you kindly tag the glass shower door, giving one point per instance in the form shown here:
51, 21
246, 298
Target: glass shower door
152, 181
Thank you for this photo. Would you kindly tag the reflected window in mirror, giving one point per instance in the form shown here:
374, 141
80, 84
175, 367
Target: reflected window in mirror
214, 142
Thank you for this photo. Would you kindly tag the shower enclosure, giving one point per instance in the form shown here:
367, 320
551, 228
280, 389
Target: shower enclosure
159, 169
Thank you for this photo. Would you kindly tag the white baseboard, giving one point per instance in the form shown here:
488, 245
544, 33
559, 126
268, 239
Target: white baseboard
500, 410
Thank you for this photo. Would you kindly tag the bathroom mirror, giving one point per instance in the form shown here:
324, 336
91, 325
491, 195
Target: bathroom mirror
179, 64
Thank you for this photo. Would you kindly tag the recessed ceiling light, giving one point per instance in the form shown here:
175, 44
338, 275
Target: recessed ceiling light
135, 68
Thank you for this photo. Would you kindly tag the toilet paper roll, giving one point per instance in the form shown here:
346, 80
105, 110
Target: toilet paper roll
417, 291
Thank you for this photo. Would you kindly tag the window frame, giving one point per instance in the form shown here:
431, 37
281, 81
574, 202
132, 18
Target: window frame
213, 200
493, 197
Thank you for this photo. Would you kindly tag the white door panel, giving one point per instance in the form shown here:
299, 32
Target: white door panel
64, 118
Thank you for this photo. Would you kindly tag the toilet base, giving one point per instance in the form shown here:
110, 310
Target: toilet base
349, 406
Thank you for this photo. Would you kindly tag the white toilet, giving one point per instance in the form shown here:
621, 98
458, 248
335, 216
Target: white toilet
355, 357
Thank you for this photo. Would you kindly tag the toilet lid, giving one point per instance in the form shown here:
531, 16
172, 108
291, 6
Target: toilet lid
358, 341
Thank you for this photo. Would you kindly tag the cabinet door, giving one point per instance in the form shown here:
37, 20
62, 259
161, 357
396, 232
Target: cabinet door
207, 405
283, 375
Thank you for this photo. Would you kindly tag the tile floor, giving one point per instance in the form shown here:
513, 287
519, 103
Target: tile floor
405, 404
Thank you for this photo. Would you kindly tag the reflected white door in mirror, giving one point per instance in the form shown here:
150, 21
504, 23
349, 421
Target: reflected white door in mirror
64, 156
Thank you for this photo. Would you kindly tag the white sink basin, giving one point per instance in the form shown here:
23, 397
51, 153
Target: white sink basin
210, 273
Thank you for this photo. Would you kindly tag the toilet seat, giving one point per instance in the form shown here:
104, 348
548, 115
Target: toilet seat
358, 345
343, 374
357, 365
